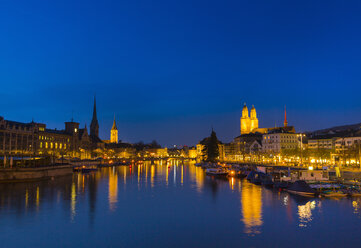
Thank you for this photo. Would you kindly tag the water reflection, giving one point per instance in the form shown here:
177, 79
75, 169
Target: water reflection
73, 202
113, 189
356, 206
120, 192
305, 213
251, 199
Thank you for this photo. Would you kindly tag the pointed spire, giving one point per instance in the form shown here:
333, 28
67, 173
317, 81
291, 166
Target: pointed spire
95, 109
114, 127
285, 122
94, 125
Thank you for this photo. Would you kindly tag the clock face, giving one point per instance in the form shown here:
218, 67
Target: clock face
75, 130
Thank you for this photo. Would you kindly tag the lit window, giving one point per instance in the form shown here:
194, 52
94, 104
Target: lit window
41, 144
46, 145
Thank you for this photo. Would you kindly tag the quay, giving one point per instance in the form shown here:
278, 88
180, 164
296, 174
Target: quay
18, 174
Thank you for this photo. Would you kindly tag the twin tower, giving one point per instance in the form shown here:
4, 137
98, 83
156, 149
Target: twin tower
248, 123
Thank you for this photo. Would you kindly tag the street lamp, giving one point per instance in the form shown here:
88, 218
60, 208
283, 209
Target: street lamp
301, 135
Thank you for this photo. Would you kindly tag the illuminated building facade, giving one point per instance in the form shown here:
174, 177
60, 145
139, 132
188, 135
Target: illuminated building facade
322, 143
249, 124
34, 139
27, 139
275, 142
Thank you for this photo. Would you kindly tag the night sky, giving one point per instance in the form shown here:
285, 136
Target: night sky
170, 70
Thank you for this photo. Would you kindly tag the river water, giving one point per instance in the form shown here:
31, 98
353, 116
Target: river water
157, 206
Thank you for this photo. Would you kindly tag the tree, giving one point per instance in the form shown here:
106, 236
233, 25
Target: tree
155, 144
211, 149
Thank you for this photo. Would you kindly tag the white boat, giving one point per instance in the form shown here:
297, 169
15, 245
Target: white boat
216, 172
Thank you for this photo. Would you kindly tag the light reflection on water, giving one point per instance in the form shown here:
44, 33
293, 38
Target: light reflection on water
176, 194
251, 200
305, 213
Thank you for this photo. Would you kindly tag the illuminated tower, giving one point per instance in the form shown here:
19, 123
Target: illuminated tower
285, 123
114, 133
254, 119
245, 120
94, 125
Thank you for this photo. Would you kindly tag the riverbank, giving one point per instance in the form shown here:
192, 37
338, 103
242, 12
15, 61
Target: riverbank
34, 174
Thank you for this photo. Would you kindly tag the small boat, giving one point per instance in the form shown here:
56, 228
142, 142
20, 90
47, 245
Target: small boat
301, 188
85, 169
242, 174
352, 192
266, 180
355, 194
254, 177
216, 172
333, 193
260, 178
282, 185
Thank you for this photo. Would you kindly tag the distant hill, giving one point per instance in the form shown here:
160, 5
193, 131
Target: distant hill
339, 131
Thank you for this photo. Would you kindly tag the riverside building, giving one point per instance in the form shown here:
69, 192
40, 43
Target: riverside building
35, 139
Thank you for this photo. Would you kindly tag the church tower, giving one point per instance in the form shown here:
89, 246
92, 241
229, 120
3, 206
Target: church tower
245, 120
114, 133
254, 119
94, 125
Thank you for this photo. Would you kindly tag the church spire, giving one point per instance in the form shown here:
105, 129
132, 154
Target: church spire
285, 122
114, 133
94, 125
95, 109
114, 127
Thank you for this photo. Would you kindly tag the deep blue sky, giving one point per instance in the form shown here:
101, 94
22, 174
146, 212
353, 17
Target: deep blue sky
170, 70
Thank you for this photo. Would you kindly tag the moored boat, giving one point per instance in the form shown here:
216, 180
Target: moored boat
300, 187
333, 193
85, 169
282, 184
216, 172
254, 177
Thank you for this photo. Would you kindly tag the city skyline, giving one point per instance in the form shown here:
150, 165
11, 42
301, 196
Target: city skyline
172, 80
104, 131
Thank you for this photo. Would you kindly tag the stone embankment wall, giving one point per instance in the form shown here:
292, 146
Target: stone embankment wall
24, 174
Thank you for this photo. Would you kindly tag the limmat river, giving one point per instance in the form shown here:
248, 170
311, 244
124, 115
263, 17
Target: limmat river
156, 206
